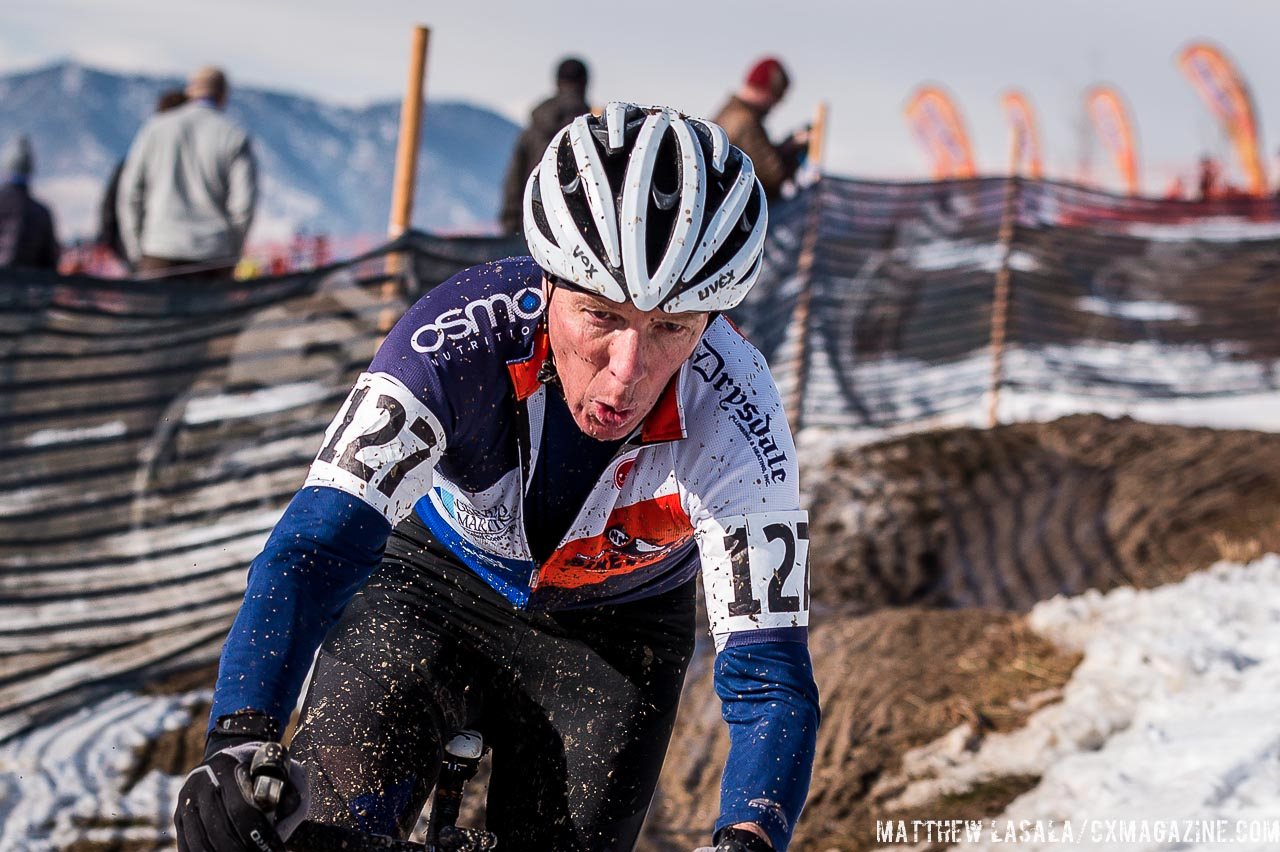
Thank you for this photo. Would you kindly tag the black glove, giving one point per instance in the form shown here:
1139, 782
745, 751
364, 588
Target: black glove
216, 811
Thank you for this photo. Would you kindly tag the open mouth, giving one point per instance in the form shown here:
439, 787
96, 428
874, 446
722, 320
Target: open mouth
608, 416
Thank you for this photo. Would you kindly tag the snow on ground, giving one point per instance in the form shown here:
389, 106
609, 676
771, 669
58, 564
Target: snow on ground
1168, 724
65, 782
1258, 411
1184, 372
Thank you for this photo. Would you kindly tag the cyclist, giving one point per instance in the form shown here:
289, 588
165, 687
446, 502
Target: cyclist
503, 526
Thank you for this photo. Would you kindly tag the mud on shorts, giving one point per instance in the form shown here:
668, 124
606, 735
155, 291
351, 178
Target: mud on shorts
578, 706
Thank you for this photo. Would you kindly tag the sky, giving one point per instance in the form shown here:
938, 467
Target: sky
863, 58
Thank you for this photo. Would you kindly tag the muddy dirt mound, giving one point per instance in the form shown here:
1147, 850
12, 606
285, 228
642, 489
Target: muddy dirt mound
890, 681
1010, 516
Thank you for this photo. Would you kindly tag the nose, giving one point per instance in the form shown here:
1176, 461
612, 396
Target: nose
627, 360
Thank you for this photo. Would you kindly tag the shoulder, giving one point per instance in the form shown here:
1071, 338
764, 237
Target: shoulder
473, 324
734, 110
507, 288
733, 412
42, 212
235, 133
206, 119
725, 356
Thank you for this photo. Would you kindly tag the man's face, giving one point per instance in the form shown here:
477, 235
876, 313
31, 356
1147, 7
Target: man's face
614, 360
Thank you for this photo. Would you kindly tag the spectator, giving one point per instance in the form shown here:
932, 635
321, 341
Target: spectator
108, 222
189, 186
26, 227
569, 102
743, 119
1210, 179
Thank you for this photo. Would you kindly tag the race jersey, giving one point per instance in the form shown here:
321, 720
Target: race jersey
448, 423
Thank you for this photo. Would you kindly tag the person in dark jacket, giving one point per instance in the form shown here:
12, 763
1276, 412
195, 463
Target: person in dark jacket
569, 102
27, 235
108, 222
743, 119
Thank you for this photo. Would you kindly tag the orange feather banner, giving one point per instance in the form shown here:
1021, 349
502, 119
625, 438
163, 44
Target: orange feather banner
1224, 90
1026, 134
1111, 118
936, 123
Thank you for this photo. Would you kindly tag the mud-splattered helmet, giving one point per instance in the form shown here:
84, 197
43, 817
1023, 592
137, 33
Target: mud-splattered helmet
647, 206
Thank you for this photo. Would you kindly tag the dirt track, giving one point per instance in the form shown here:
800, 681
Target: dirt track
925, 549
1008, 517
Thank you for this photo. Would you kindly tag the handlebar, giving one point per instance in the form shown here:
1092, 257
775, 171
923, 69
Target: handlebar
462, 752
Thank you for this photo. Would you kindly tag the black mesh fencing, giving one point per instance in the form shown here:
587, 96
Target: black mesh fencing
151, 432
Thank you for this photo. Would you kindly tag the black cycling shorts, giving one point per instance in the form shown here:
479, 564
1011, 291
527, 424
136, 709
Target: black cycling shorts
578, 705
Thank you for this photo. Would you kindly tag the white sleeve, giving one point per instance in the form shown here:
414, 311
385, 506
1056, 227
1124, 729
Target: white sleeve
740, 483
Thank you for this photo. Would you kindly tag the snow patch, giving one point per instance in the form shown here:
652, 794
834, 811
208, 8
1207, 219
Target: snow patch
1148, 310
46, 437
65, 782
230, 406
1169, 717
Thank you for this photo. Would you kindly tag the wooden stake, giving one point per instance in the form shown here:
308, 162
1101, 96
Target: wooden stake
804, 272
1000, 298
410, 134
406, 166
818, 137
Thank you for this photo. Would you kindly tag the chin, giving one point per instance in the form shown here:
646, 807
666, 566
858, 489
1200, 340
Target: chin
601, 432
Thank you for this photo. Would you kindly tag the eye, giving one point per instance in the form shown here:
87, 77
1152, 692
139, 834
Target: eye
674, 327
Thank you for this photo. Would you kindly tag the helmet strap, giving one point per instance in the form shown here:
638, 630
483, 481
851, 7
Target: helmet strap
547, 374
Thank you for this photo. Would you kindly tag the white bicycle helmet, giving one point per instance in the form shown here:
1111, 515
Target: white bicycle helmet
647, 206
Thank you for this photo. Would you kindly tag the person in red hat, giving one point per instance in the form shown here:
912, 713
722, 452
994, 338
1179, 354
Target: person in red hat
743, 119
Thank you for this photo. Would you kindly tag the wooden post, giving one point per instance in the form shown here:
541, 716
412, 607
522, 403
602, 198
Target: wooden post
804, 271
410, 134
817, 137
1000, 298
406, 163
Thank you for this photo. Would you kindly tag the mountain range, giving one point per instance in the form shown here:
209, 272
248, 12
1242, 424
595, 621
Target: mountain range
323, 168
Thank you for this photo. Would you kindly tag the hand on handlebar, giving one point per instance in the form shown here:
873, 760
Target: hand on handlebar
217, 811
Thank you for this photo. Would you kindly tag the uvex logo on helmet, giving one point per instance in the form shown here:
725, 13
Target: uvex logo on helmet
457, 323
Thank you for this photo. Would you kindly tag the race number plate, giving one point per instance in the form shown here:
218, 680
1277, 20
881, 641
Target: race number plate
756, 571
381, 447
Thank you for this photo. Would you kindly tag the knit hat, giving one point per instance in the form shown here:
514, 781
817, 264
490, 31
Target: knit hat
572, 70
769, 74
207, 82
16, 159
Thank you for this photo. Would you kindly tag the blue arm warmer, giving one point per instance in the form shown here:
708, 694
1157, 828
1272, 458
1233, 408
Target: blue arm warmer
770, 701
319, 554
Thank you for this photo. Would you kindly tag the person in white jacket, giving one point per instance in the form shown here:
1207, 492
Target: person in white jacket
189, 187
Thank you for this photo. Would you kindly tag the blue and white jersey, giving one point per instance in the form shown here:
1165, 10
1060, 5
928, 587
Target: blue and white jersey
448, 423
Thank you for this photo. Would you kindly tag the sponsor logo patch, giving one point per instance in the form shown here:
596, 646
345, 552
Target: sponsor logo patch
756, 426
459, 323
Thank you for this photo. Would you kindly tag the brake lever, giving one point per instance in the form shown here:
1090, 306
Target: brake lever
269, 773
